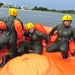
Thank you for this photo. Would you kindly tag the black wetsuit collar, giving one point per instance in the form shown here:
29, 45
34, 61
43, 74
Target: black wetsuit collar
65, 26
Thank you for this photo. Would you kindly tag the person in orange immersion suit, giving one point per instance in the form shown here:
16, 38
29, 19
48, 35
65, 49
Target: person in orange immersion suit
65, 32
35, 43
11, 31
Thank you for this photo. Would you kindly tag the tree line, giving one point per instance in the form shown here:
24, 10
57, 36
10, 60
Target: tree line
53, 10
1, 4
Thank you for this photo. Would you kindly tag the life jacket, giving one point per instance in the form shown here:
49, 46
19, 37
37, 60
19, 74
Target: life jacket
3, 25
18, 28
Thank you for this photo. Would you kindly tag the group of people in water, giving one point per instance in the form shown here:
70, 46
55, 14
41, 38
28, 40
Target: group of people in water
12, 29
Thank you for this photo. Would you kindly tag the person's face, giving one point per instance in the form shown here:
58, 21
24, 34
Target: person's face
67, 23
31, 30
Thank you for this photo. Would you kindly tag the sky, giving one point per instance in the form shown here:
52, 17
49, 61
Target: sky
50, 4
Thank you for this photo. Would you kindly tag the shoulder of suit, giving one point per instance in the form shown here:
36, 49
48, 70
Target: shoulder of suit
58, 25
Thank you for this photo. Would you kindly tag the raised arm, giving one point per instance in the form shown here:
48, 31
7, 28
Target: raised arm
52, 31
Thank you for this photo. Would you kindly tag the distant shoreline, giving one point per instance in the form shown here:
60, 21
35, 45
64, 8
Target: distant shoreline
53, 10
59, 11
